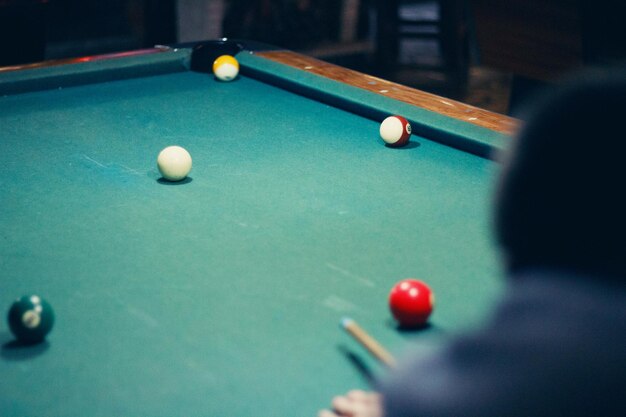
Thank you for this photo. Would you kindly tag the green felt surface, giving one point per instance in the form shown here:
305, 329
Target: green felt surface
222, 296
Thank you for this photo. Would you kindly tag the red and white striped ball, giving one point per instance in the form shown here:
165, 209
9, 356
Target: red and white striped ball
395, 131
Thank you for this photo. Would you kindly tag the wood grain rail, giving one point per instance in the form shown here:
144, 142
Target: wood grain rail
88, 58
428, 101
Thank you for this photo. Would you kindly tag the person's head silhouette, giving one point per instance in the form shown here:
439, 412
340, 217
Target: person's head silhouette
561, 200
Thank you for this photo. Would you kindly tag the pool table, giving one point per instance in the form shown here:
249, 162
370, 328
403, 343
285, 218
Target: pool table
221, 295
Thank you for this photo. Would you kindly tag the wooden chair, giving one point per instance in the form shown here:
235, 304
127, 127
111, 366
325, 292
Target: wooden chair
448, 27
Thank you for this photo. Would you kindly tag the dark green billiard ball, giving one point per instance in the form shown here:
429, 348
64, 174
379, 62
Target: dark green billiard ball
30, 319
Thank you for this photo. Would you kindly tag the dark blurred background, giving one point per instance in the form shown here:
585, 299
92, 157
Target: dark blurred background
490, 53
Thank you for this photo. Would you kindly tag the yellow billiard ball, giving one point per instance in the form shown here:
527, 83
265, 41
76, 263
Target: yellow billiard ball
226, 68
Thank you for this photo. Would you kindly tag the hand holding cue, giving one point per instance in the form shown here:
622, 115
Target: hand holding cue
368, 342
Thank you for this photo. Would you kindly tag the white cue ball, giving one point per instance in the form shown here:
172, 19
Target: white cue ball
395, 131
174, 163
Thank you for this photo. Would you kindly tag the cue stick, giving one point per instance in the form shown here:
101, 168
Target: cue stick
368, 342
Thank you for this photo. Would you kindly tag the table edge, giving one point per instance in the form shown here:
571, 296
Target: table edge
432, 102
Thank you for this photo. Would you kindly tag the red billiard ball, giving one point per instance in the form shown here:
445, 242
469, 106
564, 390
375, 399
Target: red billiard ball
411, 302
395, 131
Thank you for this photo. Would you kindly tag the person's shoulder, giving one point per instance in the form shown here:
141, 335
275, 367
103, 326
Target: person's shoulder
553, 332
568, 301
590, 284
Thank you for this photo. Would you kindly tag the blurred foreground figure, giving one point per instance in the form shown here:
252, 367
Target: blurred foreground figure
556, 345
